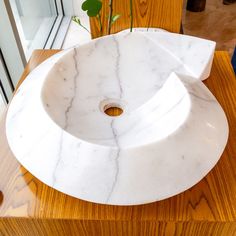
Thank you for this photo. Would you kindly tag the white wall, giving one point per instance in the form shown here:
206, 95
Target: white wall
76, 34
77, 8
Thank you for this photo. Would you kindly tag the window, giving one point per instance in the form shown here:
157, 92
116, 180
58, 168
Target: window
34, 21
6, 87
27, 25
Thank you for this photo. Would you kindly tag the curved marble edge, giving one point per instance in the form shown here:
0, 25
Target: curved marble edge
196, 54
110, 175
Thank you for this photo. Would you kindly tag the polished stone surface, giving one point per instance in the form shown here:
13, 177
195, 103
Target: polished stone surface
170, 135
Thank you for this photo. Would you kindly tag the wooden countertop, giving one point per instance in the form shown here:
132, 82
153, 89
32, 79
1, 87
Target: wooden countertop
29, 207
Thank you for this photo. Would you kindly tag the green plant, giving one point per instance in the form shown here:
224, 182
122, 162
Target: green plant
77, 20
93, 9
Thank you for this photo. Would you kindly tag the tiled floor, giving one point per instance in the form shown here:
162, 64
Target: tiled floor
217, 22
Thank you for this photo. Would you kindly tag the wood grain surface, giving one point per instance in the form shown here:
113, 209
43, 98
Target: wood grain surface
164, 14
29, 207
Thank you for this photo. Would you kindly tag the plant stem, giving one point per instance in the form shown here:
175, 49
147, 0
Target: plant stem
77, 20
100, 23
110, 16
85, 28
131, 15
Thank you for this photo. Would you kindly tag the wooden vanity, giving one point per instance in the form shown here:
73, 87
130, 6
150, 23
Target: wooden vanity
29, 207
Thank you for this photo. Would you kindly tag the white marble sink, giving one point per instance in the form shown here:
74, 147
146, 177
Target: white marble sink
170, 135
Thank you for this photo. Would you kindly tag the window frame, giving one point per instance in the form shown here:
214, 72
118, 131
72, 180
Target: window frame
12, 53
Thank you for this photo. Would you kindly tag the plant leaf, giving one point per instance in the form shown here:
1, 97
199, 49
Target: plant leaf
76, 20
93, 7
115, 18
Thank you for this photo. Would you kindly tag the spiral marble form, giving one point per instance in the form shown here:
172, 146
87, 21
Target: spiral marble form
170, 135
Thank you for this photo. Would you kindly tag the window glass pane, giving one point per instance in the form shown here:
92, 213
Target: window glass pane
34, 20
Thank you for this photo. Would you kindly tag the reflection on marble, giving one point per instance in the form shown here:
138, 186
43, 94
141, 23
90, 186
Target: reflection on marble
170, 135
217, 22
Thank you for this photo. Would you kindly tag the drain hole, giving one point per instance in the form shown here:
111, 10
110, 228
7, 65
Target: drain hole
113, 109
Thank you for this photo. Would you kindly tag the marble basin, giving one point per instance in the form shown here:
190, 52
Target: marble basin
171, 133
